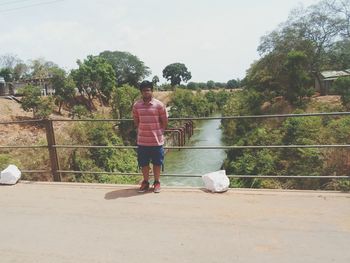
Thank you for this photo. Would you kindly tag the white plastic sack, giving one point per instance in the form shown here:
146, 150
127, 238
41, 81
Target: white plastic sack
216, 181
10, 175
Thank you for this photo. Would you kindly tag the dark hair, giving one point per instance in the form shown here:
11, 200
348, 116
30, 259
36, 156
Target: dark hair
146, 84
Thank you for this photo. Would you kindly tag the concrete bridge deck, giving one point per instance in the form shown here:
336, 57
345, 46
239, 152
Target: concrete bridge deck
61, 222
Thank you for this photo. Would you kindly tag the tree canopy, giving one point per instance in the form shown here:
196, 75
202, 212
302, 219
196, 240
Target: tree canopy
95, 76
128, 68
176, 73
313, 39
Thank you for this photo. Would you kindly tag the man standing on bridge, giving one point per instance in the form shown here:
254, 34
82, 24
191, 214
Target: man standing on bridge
150, 118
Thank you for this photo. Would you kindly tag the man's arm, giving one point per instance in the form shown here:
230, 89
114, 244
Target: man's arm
135, 116
163, 118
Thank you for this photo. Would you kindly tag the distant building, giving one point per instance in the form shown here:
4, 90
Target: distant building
3, 87
43, 83
327, 78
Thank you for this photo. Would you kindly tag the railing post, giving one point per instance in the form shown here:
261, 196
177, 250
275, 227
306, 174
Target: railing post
192, 127
50, 136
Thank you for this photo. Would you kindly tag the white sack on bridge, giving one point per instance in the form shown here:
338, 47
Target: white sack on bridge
216, 181
10, 175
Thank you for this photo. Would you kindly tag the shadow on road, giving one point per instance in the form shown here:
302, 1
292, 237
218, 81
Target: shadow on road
124, 193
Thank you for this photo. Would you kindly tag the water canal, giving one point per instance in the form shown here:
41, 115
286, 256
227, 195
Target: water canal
192, 161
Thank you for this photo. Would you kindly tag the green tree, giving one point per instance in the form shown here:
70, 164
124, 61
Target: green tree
12, 68
95, 76
298, 81
301, 131
184, 103
79, 111
192, 85
7, 74
342, 87
210, 84
21, 70
232, 84
41, 69
108, 159
123, 99
64, 86
155, 80
176, 73
45, 107
129, 69
32, 101
313, 30
31, 98
220, 85
339, 55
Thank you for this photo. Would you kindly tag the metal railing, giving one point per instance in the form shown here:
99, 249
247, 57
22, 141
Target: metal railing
54, 160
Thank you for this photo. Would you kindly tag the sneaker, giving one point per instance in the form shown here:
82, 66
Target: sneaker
156, 187
144, 187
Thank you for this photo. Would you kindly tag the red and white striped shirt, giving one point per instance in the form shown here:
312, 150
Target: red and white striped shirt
150, 115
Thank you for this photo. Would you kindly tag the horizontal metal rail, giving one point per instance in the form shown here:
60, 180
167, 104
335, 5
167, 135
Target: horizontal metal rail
20, 122
210, 147
52, 145
230, 117
23, 146
182, 147
200, 175
194, 118
35, 171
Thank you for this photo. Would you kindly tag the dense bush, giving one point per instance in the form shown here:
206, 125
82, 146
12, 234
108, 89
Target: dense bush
291, 161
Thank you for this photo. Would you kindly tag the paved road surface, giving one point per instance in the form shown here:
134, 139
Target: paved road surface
57, 222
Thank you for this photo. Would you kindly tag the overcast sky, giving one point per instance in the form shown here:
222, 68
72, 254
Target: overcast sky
215, 39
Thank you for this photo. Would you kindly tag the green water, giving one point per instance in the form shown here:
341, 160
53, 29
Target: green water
206, 133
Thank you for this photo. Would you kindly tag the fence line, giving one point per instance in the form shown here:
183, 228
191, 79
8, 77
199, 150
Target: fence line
194, 175
195, 118
56, 171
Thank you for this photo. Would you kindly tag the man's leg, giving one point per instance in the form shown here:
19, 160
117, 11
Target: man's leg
145, 184
143, 161
157, 159
156, 172
145, 172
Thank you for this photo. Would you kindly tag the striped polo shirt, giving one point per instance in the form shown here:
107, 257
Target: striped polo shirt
149, 116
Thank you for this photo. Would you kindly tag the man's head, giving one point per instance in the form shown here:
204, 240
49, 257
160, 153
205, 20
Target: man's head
146, 88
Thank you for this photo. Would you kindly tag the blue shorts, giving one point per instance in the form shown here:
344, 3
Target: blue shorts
145, 154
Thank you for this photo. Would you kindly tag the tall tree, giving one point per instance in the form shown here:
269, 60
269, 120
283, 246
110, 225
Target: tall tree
155, 80
21, 70
9, 67
176, 73
7, 74
211, 84
95, 76
232, 84
41, 107
339, 55
123, 99
341, 8
298, 80
64, 87
41, 69
313, 30
342, 87
9, 61
129, 69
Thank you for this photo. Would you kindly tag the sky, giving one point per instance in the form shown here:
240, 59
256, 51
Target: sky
216, 39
